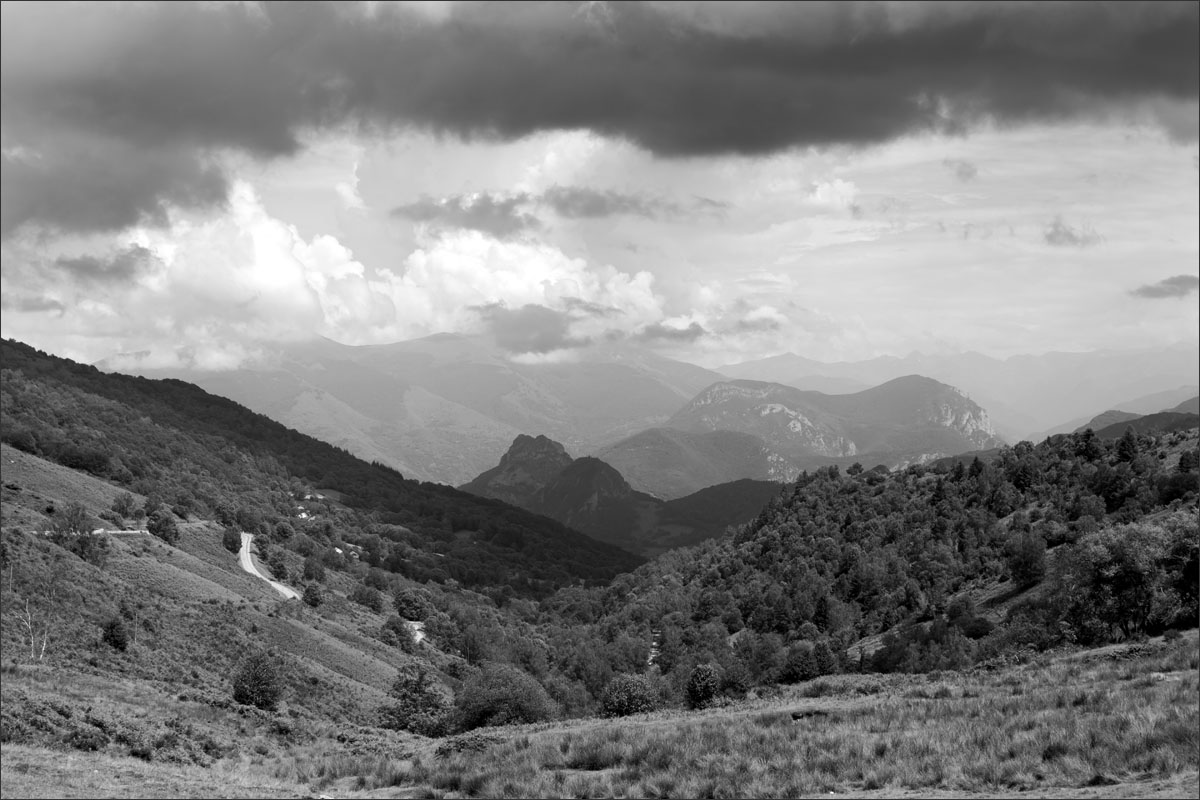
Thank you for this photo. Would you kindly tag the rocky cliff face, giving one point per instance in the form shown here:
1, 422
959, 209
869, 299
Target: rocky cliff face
913, 415
530, 463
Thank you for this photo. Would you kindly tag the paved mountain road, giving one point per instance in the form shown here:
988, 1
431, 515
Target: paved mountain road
248, 565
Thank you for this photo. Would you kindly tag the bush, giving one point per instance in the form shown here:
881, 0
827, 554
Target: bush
396, 633
411, 604
314, 570
231, 539
419, 707
257, 682
627, 694
368, 597
313, 595
162, 524
702, 685
499, 695
116, 634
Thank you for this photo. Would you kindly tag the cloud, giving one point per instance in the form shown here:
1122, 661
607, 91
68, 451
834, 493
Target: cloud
121, 268
531, 328
574, 202
171, 86
31, 303
1175, 286
667, 333
492, 214
1060, 234
963, 169
100, 184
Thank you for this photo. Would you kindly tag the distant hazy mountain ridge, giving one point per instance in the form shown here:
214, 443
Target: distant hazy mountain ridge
907, 415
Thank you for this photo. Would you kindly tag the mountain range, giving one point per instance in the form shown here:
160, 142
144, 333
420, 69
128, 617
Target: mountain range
1026, 395
591, 496
445, 408
754, 429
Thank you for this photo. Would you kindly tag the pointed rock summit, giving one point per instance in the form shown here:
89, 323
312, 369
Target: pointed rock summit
530, 463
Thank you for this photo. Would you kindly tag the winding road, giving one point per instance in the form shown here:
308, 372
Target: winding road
248, 564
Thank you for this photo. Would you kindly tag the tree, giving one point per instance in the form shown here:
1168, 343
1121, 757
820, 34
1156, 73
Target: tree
411, 604
283, 531
73, 520
256, 682
162, 524
1027, 558
278, 566
1127, 447
313, 595
501, 694
116, 634
368, 597
419, 707
314, 569
231, 539
123, 504
628, 694
702, 685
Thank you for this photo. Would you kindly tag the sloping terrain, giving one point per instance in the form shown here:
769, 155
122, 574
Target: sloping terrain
591, 496
444, 408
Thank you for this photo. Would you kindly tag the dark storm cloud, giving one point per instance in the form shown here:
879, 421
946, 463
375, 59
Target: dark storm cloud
1060, 234
31, 303
501, 217
964, 170
660, 332
99, 185
173, 81
1175, 286
120, 268
529, 329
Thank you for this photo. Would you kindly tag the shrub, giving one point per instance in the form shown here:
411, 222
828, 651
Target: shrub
411, 604
162, 524
499, 695
627, 694
231, 539
116, 634
257, 682
702, 685
314, 570
313, 595
419, 707
368, 597
395, 632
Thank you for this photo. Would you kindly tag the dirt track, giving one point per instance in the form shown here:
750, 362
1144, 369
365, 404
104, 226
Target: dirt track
248, 565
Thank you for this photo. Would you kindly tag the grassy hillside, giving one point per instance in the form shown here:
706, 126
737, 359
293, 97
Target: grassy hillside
1107, 723
204, 455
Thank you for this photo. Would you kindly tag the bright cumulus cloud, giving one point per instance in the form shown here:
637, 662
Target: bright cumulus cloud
198, 182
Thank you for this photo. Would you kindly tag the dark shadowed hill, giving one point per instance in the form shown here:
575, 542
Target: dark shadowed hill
202, 454
1163, 422
591, 496
671, 463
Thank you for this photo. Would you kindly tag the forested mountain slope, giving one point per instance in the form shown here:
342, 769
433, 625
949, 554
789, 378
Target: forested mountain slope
206, 455
1097, 538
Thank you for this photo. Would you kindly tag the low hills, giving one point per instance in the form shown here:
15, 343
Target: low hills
591, 496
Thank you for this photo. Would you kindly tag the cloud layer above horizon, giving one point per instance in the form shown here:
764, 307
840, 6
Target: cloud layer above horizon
715, 180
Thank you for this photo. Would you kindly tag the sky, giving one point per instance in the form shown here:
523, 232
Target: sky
716, 182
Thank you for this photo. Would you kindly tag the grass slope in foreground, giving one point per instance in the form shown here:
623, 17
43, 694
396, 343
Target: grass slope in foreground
1119, 721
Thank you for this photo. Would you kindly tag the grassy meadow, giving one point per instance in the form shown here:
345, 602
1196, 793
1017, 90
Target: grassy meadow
1120, 721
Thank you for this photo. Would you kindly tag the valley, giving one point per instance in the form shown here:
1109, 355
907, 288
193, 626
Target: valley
846, 630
